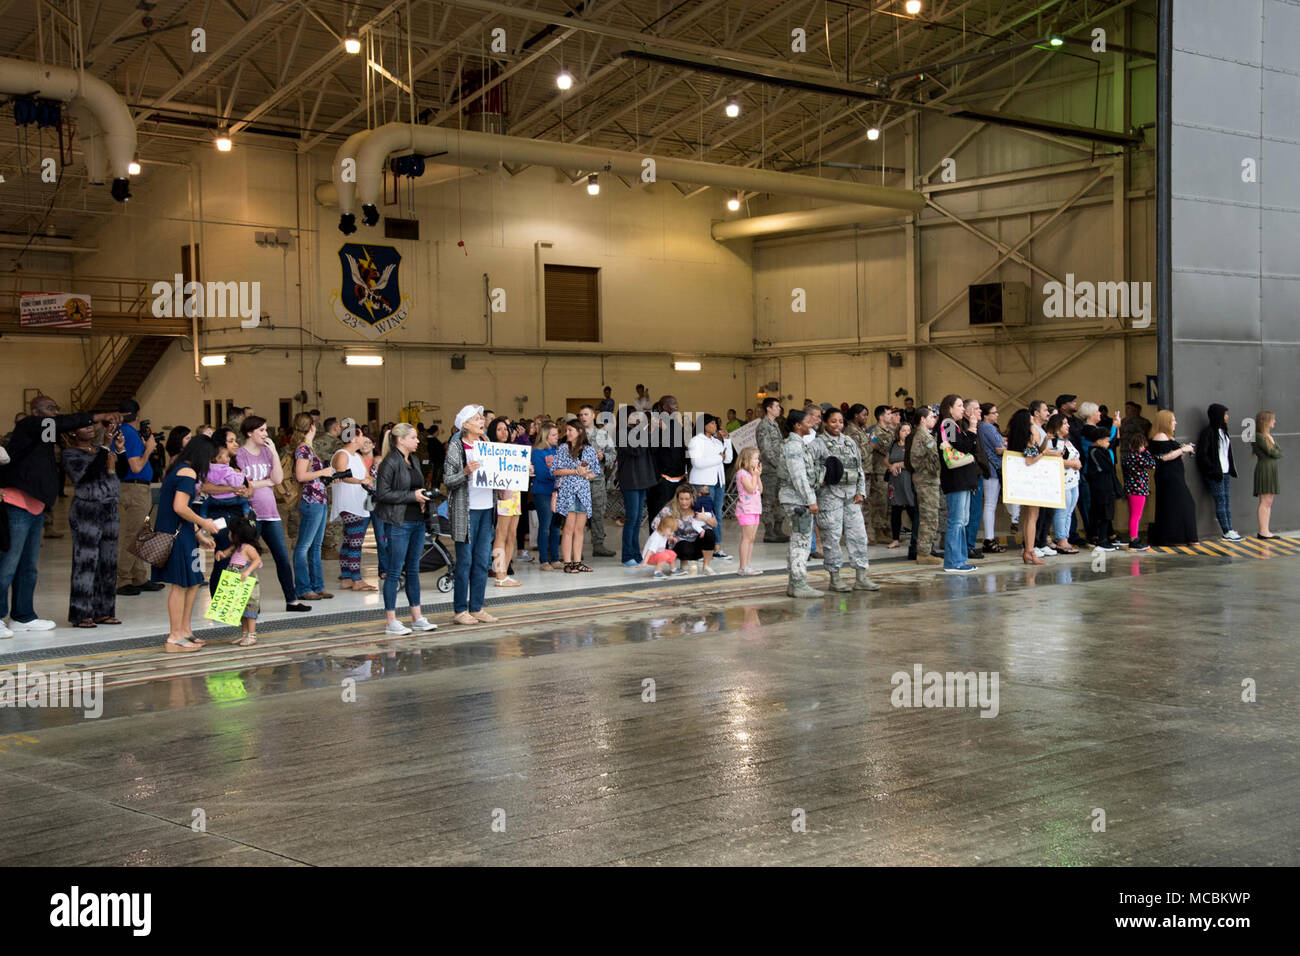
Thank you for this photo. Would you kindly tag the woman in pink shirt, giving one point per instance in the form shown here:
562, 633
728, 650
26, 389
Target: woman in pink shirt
259, 460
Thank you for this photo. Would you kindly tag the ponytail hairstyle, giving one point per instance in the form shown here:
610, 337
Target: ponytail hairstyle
400, 430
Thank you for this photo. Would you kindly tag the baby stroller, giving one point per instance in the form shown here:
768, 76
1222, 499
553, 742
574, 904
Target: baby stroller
436, 555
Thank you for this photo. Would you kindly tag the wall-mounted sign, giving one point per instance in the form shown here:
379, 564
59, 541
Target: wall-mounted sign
369, 300
63, 310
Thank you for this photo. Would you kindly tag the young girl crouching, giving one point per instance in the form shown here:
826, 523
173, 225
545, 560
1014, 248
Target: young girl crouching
245, 559
656, 550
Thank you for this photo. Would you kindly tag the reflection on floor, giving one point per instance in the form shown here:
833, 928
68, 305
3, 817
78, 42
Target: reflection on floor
715, 723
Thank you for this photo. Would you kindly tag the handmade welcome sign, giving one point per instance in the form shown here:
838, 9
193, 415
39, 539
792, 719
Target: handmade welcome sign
231, 598
501, 467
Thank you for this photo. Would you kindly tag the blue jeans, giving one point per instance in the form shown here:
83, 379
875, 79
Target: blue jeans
1222, 507
954, 538
18, 564
472, 559
546, 545
272, 533
405, 544
381, 542
718, 493
1062, 517
634, 509
976, 513
306, 553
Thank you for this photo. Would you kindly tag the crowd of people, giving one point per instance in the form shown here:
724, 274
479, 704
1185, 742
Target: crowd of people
836, 476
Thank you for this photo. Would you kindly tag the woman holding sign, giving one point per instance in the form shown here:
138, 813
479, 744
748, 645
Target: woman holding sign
576, 465
1027, 438
470, 510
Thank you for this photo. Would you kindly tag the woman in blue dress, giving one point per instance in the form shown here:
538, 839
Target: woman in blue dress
576, 464
176, 516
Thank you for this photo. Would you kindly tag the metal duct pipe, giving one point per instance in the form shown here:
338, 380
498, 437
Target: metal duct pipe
78, 88
327, 194
343, 192
800, 221
480, 149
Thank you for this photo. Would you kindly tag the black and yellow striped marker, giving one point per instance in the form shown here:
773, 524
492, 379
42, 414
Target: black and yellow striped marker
1245, 548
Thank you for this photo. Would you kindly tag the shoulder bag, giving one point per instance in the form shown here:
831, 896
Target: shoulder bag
153, 547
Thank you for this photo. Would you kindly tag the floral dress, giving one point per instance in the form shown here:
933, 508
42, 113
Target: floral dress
1137, 472
573, 493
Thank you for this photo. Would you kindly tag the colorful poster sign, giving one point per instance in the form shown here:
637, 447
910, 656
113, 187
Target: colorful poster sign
1041, 483
501, 467
231, 598
51, 310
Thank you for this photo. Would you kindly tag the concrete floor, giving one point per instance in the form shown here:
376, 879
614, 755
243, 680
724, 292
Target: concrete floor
1118, 689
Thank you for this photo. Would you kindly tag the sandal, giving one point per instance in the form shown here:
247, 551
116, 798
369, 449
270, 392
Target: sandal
581, 567
86, 623
570, 567
892, 544
992, 547
107, 620
363, 586
246, 641
185, 644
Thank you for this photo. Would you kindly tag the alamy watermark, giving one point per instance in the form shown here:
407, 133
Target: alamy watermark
1089, 300
79, 690
213, 300
951, 689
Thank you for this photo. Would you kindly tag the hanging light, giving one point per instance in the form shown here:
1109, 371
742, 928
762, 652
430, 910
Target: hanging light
1056, 41
593, 185
913, 7
873, 133
133, 168
223, 141
352, 44
733, 203
564, 80
732, 109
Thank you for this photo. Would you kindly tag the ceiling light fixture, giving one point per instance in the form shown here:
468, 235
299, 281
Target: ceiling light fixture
1056, 41
352, 44
686, 366
564, 80
211, 360
733, 203
913, 7
133, 168
356, 358
223, 141
732, 108
593, 185
873, 133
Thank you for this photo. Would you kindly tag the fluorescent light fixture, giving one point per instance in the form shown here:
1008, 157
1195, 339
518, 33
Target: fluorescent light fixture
211, 360
686, 366
223, 142
913, 7
733, 203
732, 108
873, 133
352, 45
564, 80
593, 185
355, 358
133, 168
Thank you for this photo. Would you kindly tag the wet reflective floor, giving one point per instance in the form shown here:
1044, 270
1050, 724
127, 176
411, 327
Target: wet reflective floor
719, 724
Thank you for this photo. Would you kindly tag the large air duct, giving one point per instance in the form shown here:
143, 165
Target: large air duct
467, 148
104, 121
801, 221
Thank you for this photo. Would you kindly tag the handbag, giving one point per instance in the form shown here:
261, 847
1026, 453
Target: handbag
153, 547
952, 458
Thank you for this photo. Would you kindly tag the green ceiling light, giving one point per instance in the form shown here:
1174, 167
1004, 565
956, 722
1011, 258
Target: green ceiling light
1056, 41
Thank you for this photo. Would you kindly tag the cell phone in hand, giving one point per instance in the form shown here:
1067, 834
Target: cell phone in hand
220, 523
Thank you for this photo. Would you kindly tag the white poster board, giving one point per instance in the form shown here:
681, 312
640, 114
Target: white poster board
1041, 483
745, 436
502, 467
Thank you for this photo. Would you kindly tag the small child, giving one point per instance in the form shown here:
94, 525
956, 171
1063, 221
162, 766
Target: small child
749, 506
656, 550
220, 472
1138, 463
1103, 487
245, 558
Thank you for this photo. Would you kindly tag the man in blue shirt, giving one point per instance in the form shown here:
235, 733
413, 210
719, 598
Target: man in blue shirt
134, 502
606, 403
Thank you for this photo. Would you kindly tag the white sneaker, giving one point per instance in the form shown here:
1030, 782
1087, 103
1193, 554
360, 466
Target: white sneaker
397, 627
36, 625
423, 624
1049, 553
1038, 553
4, 631
1232, 536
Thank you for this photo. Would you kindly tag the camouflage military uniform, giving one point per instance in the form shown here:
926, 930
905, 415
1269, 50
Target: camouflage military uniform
325, 447
836, 513
925, 480
600, 440
768, 437
877, 506
800, 475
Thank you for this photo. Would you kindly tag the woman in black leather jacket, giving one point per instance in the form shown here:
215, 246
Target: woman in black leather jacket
400, 500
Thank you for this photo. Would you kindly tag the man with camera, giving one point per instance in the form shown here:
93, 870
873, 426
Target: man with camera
134, 499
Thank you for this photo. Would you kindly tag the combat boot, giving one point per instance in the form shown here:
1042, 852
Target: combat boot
801, 589
838, 583
864, 583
